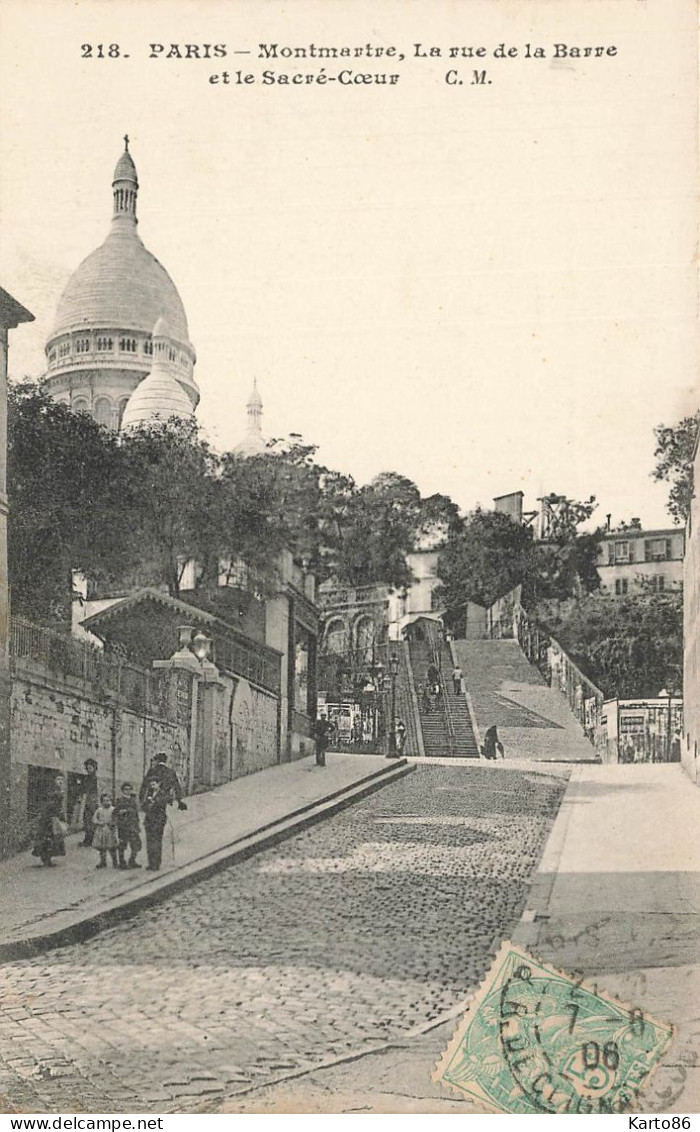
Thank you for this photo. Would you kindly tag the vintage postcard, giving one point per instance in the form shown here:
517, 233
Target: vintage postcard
349, 583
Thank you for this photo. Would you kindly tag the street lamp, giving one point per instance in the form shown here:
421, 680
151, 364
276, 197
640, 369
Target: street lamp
669, 694
394, 671
376, 682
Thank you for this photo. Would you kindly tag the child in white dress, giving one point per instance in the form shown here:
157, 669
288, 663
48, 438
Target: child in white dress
105, 839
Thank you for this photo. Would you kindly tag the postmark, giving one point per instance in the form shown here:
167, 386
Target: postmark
536, 1040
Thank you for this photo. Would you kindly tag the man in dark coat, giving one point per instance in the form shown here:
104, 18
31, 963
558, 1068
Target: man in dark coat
492, 744
159, 789
90, 790
321, 736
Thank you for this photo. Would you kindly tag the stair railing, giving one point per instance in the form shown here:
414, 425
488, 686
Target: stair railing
436, 656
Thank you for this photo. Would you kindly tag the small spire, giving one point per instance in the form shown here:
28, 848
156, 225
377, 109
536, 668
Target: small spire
253, 442
255, 400
125, 186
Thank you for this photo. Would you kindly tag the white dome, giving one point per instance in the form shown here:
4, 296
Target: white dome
120, 285
157, 398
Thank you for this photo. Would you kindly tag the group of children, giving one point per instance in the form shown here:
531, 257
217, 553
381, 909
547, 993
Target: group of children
117, 829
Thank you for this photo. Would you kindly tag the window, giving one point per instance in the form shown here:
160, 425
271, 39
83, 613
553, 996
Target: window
148, 347
364, 639
64, 350
657, 549
127, 345
104, 344
82, 345
234, 573
103, 411
80, 405
621, 586
658, 583
622, 551
336, 639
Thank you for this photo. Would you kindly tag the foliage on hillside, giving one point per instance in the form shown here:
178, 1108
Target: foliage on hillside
629, 647
133, 510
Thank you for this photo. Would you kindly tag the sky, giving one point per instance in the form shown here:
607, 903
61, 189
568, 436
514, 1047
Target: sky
487, 288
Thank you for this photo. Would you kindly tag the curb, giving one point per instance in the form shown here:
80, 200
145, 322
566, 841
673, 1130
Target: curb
527, 931
87, 925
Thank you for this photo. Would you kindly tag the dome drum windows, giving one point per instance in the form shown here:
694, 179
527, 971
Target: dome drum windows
148, 347
82, 345
105, 345
64, 350
127, 345
103, 412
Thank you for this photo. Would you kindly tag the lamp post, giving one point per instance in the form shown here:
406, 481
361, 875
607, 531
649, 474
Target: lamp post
394, 671
669, 694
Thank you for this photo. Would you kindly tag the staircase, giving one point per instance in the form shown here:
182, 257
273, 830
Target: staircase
447, 729
534, 721
464, 742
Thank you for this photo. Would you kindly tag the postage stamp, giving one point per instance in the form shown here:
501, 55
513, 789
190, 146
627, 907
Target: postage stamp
536, 1040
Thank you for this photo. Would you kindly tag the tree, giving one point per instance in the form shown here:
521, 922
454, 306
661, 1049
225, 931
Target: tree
631, 647
674, 463
490, 556
175, 503
380, 528
66, 503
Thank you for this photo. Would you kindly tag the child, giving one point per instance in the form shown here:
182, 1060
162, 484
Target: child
126, 814
105, 840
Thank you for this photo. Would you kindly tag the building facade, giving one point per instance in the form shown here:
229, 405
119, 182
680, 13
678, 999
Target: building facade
634, 561
691, 633
12, 314
101, 346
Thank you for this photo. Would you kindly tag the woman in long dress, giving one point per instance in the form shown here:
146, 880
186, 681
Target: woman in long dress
49, 840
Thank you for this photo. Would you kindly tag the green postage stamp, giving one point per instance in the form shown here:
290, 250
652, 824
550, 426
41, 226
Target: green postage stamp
536, 1040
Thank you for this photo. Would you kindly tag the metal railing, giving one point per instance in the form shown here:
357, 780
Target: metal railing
255, 663
436, 653
143, 692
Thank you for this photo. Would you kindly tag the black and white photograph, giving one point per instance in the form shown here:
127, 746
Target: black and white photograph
349, 559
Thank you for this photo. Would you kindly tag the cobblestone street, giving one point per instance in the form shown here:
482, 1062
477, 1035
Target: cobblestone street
341, 938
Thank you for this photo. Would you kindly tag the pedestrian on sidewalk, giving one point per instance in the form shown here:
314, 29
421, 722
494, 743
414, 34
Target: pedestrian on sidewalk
433, 675
90, 792
159, 789
400, 736
50, 832
457, 680
126, 813
321, 736
105, 837
492, 744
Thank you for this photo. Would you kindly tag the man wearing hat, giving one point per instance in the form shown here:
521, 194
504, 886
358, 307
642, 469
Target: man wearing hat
159, 789
90, 791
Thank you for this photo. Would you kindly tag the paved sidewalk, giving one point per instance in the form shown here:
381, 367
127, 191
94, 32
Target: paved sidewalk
44, 907
617, 899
